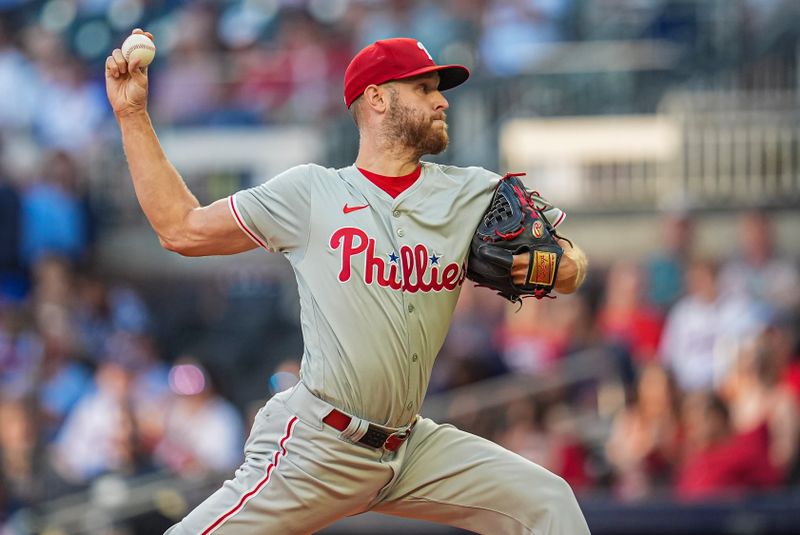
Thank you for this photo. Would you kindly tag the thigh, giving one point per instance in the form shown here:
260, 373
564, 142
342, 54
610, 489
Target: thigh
296, 478
449, 476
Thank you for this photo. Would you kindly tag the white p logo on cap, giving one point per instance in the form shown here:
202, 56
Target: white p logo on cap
422, 47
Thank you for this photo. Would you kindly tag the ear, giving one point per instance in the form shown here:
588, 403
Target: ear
377, 98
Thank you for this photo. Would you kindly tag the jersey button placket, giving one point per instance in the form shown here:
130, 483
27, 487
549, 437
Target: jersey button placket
401, 232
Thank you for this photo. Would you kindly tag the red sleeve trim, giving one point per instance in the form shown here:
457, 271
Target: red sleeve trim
561, 219
240, 221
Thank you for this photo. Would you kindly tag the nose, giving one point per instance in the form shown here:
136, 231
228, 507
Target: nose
441, 102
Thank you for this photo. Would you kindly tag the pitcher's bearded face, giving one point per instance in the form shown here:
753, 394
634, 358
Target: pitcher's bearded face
426, 133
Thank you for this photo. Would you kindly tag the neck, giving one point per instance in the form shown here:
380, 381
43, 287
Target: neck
385, 158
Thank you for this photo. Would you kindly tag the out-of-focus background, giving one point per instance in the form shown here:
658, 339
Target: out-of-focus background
666, 391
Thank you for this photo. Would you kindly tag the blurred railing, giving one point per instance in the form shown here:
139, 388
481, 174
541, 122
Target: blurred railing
704, 150
738, 149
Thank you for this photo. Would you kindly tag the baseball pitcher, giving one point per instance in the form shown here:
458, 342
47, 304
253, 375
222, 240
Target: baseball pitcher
380, 252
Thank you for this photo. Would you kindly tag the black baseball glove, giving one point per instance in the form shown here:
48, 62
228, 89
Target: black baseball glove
514, 225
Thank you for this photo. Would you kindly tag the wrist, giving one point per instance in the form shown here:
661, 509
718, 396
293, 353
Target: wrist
132, 115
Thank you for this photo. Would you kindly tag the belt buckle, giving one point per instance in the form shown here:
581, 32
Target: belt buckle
396, 439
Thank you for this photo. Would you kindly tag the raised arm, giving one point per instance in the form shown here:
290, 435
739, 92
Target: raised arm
181, 223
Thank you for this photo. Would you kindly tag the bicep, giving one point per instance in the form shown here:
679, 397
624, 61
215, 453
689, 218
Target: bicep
213, 230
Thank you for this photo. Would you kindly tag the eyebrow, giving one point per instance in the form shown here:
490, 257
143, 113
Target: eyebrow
428, 76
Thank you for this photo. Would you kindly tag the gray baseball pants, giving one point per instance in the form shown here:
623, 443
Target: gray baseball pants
300, 476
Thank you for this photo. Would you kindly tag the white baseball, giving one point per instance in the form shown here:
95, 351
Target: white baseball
138, 46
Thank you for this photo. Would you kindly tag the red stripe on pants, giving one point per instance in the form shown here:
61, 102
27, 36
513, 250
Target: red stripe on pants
275, 460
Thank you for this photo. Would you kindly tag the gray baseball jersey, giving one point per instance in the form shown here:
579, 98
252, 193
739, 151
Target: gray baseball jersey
378, 279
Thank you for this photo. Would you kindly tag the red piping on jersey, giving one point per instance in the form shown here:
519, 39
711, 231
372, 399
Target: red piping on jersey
261, 484
245, 229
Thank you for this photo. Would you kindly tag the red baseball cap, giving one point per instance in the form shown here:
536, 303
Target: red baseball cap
395, 59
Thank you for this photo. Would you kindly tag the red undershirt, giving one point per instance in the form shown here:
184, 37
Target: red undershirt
393, 185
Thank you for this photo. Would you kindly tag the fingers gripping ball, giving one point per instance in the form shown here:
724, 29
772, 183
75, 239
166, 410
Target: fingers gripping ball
138, 46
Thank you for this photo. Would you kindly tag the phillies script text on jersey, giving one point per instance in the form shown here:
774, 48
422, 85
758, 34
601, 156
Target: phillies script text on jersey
419, 264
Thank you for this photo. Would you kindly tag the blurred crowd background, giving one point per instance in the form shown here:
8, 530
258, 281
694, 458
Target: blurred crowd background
673, 375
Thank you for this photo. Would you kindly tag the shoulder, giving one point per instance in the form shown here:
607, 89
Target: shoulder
296, 177
462, 173
479, 182
306, 171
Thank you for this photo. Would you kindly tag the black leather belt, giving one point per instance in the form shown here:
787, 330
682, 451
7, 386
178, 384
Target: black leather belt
375, 437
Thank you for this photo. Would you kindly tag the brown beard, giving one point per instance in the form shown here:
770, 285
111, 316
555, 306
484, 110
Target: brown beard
410, 128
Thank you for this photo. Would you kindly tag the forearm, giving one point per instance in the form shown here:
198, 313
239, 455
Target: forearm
162, 193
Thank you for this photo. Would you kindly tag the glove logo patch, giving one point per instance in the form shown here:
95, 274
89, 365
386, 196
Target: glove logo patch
537, 229
544, 268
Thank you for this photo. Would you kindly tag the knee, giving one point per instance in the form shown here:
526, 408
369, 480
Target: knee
552, 505
561, 494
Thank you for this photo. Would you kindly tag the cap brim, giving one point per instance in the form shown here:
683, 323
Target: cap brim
449, 75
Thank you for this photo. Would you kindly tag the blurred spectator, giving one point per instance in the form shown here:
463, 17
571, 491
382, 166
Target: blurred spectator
548, 439
756, 399
569, 457
523, 433
99, 435
580, 323
758, 271
53, 279
717, 461
149, 391
187, 87
17, 454
20, 353
71, 108
12, 279
298, 74
203, 432
667, 267
466, 411
534, 337
516, 34
704, 328
469, 352
102, 310
314, 68
55, 217
70, 105
644, 439
19, 84
625, 317
781, 339
61, 378
446, 28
